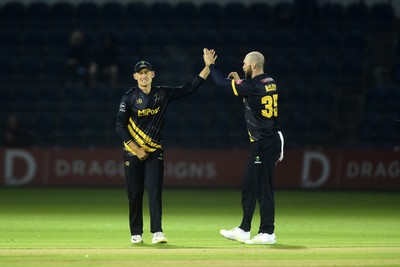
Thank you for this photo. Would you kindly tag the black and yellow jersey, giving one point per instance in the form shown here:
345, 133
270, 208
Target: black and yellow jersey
260, 99
140, 117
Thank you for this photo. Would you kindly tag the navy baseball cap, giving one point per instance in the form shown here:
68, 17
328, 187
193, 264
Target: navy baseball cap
143, 65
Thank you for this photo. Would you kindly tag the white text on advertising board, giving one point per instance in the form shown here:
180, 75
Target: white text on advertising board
191, 170
369, 170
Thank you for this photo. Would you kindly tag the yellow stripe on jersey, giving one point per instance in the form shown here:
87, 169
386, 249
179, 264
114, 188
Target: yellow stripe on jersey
141, 138
234, 88
128, 147
251, 138
147, 139
140, 141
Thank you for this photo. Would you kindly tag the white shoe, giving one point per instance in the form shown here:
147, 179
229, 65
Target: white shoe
159, 238
262, 239
136, 239
236, 234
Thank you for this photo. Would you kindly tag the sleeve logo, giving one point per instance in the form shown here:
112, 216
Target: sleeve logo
238, 81
122, 107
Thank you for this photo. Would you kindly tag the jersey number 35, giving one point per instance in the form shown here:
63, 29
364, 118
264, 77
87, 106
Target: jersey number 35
271, 105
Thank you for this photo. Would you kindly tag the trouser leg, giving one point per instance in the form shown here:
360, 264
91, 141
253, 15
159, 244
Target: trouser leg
249, 195
134, 175
154, 183
270, 150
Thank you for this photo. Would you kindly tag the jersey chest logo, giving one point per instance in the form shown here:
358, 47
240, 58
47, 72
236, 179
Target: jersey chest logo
148, 111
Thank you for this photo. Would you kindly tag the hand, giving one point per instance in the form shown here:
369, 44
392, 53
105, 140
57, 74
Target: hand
209, 56
141, 154
234, 76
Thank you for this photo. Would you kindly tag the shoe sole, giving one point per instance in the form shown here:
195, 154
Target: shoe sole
234, 239
260, 243
160, 242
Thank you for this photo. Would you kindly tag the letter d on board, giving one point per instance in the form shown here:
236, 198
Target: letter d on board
9, 158
306, 180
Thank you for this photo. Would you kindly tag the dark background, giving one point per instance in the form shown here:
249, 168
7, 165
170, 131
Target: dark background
336, 66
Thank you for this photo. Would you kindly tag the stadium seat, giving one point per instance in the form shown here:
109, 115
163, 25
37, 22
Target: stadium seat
8, 70
283, 14
51, 96
332, 16
88, 15
29, 69
352, 73
44, 131
324, 98
112, 14
63, 14
355, 39
10, 38
328, 71
331, 42
382, 15
98, 130
306, 14
296, 129
54, 70
57, 42
283, 39
306, 41
235, 16
34, 42
164, 13
13, 14
304, 70
183, 38
357, 15
184, 15
210, 15
261, 14
38, 14
137, 15
321, 128
7, 96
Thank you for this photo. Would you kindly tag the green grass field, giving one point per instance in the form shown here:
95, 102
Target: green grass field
89, 227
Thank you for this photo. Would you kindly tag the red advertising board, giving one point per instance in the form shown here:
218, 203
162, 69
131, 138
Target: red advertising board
202, 168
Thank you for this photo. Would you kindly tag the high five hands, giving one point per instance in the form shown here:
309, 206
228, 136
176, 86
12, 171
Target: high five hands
209, 56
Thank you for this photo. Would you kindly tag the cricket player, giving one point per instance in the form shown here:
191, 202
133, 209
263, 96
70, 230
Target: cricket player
139, 125
260, 99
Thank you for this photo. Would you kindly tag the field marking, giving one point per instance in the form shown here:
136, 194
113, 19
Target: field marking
168, 250
203, 257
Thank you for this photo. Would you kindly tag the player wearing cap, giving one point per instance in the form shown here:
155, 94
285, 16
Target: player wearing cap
260, 98
139, 125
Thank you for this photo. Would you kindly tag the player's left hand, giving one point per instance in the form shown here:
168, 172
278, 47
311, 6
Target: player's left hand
209, 56
234, 76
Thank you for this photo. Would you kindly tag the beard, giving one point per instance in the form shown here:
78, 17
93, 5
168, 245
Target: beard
248, 73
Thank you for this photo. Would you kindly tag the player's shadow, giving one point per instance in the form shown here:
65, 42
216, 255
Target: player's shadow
157, 246
171, 246
285, 246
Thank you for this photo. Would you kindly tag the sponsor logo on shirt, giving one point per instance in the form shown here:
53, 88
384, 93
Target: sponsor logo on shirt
148, 111
270, 87
257, 160
238, 81
267, 80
